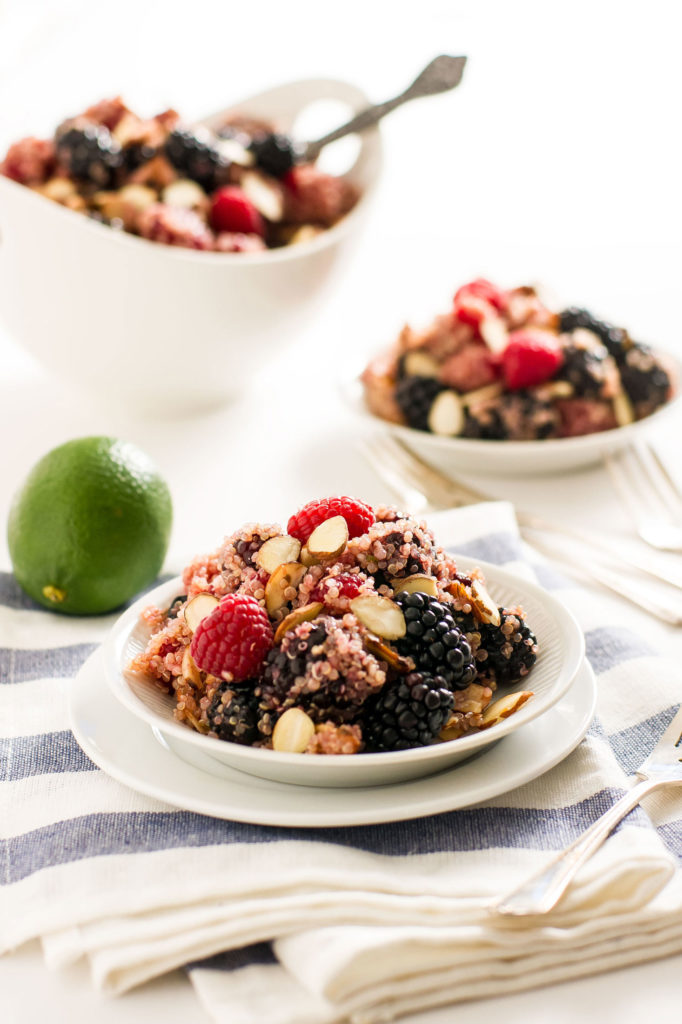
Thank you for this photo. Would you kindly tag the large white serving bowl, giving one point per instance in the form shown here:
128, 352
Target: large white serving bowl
161, 326
561, 652
511, 458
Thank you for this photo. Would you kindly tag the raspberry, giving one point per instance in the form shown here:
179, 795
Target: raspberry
348, 585
358, 516
232, 210
232, 641
530, 358
477, 301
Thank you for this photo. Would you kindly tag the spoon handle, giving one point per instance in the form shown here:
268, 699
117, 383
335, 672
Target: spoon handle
443, 73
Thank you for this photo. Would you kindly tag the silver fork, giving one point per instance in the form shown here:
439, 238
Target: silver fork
423, 488
650, 495
541, 892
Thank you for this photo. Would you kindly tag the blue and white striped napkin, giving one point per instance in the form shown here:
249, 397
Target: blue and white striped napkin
329, 925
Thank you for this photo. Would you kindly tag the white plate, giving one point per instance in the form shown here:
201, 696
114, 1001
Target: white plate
509, 458
562, 649
127, 749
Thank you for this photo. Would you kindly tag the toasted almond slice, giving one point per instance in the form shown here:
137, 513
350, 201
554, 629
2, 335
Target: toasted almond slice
420, 364
483, 394
556, 389
483, 607
376, 646
328, 539
420, 583
137, 196
268, 200
504, 707
293, 732
379, 614
58, 189
494, 333
235, 152
304, 233
185, 194
285, 577
276, 551
295, 618
198, 608
306, 558
189, 668
452, 730
622, 409
446, 415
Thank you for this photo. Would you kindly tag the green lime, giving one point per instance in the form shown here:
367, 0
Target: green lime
90, 526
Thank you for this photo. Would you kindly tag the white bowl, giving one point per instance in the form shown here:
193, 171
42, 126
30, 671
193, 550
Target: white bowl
561, 652
160, 325
510, 458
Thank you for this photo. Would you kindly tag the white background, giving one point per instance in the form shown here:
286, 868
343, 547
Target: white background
557, 160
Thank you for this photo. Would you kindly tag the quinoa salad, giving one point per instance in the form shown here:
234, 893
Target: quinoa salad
503, 366
352, 631
241, 188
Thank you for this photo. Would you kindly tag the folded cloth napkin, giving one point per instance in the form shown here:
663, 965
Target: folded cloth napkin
322, 925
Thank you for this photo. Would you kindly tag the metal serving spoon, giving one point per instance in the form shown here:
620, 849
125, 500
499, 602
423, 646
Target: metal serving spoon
440, 75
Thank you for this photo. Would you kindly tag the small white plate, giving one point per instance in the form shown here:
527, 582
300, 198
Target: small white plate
562, 649
509, 458
127, 749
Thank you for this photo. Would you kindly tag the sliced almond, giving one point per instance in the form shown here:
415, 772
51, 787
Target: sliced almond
556, 389
504, 707
198, 608
235, 152
376, 646
58, 189
420, 364
189, 668
295, 618
622, 409
286, 577
306, 558
137, 196
268, 199
276, 551
379, 614
475, 593
185, 194
484, 394
446, 415
293, 732
304, 233
328, 539
420, 583
494, 332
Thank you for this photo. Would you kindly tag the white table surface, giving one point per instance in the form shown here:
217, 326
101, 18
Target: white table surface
557, 160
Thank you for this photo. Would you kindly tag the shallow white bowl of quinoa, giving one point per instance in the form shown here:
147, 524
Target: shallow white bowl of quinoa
162, 327
561, 652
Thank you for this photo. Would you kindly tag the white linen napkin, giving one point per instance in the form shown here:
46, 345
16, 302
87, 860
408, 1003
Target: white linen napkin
367, 922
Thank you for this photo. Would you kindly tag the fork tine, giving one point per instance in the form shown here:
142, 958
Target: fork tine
396, 459
621, 475
454, 491
407, 494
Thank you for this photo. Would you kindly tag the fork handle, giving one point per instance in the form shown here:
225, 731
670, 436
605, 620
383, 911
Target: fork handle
540, 893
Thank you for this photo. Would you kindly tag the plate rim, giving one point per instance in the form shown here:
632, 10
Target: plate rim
392, 806
114, 643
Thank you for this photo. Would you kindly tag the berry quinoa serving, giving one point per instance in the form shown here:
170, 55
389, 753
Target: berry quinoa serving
238, 189
353, 631
503, 366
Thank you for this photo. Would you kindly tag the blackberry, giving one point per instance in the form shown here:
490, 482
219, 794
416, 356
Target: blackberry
408, 713
614, 339
587, 370
434, 640
89, 153
175, 607
232, 714
515, 416
275, 154
644, 379
195, 155
415, 397
136, 154
511, 648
